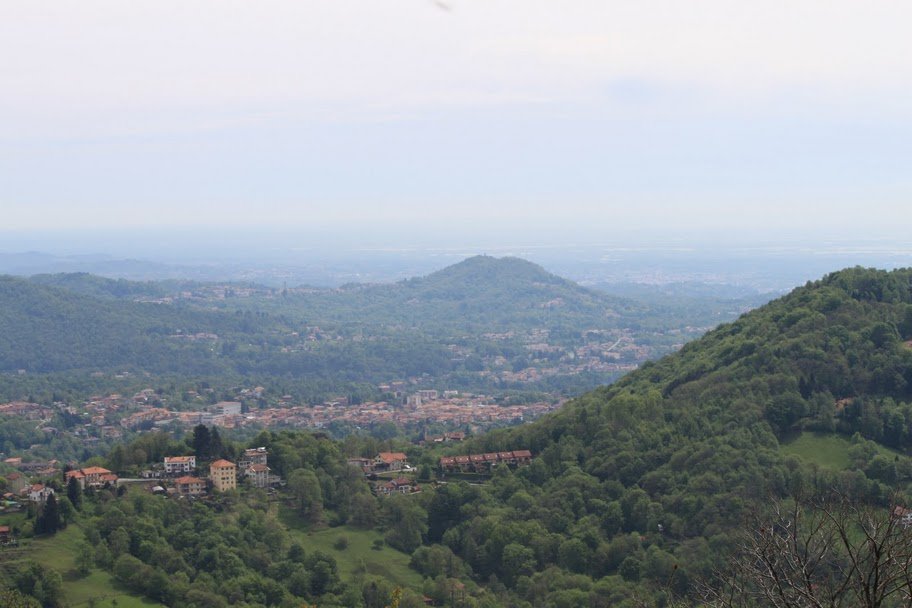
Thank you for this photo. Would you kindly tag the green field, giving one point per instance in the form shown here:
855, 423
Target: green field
359, 557
58, 552
830, 451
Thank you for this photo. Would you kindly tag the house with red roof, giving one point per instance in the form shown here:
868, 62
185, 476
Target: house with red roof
38, 493
390, 461
400, 485
92, 477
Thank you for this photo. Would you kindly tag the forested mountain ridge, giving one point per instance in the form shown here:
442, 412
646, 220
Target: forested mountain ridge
644, 484
45, 329
485, 324
479, 294
103, 287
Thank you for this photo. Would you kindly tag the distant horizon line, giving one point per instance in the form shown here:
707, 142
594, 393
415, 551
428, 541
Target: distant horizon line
289, 240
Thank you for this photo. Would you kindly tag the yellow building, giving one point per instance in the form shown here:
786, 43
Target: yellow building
223, 475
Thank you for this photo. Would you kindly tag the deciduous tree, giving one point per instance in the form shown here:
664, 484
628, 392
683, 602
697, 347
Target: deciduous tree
831, 552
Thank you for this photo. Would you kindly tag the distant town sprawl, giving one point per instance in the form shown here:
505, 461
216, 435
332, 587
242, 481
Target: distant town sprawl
111, 416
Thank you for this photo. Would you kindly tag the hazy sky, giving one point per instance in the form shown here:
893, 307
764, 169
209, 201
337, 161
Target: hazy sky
598, 116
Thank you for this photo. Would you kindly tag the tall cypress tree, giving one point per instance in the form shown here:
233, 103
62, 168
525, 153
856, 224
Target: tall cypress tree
74, 493
49, 520
216, 447
202, 442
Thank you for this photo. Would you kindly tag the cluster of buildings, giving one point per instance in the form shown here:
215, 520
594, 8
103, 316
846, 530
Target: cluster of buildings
113, 416
226, 414
453, 410
385, 463
92, 477
20, 490
26, 409
223, 474
604, 351
379, 468
37, 468
446, 437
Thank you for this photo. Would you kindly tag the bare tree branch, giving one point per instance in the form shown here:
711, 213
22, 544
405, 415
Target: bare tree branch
826, 553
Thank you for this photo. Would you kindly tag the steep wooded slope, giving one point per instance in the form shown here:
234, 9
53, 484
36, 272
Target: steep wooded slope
648, 479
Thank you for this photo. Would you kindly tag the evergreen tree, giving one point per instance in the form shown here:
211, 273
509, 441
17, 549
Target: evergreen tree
48, 522
74, 493
202, 442
216, 447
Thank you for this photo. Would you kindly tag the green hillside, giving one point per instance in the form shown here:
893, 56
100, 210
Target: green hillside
465, 327
479, 294
47, 329
102, 287
642, 485
56, 556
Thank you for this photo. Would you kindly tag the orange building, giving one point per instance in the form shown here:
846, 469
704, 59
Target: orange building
223, 475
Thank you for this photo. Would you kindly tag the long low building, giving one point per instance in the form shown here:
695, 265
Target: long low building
483, 463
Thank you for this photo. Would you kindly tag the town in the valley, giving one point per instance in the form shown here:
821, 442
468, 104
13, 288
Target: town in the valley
30, 480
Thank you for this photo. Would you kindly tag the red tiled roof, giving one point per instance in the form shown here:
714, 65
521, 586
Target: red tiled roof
221, 464
95, 471
391, 457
